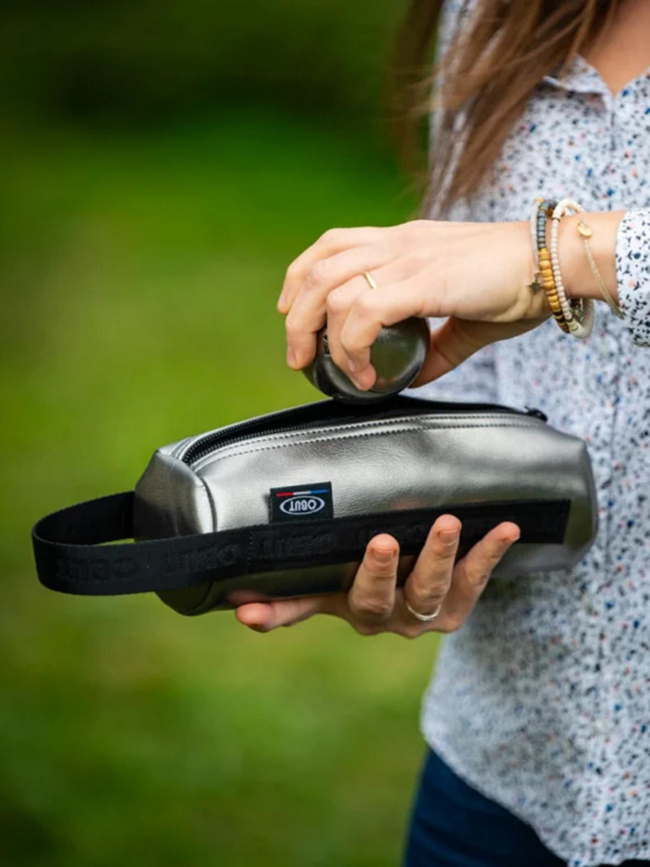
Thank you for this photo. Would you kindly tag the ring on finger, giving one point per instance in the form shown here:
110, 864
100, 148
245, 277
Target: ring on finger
424, 618
370, 280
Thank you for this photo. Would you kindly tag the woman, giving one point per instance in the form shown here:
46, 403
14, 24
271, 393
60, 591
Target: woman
538, 718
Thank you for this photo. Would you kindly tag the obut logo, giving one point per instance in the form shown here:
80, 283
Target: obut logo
302, 504
306, 502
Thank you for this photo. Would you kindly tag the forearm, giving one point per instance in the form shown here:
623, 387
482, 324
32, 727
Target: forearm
579, 280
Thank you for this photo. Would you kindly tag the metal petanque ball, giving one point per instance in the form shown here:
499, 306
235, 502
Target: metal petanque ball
397, 355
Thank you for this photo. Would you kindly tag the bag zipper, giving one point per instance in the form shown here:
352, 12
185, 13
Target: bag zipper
331, 412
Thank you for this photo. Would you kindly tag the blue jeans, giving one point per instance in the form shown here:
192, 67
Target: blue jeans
453, 825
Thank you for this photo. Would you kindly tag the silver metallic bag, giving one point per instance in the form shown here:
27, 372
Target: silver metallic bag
283, 505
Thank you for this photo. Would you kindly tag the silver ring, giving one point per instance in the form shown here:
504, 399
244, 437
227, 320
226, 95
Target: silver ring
370, 279
424, 618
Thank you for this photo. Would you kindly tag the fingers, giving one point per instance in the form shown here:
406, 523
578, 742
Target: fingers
338, 304
471, 574
329, 288
332, 242
428, 584
372, 596
313, 309
265, 616
392, 302
370, 604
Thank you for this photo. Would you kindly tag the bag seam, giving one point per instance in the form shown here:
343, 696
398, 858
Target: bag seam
360, 435
366, 424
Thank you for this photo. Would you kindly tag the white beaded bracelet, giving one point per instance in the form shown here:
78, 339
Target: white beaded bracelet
579, 318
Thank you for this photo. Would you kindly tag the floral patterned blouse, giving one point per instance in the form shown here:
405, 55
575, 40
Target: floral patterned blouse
542, 700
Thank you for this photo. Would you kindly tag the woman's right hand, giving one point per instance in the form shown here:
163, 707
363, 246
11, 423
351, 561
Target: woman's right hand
475, 276
375, 604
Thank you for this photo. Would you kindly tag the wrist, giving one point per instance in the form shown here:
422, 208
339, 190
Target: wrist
532, 304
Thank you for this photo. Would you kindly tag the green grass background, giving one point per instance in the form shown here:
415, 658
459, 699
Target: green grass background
139, 274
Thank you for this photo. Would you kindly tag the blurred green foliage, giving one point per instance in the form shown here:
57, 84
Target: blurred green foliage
139, 273
143, 60
162, 164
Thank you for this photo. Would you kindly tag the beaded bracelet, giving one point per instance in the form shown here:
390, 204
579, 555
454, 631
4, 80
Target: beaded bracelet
540, 212
579, 315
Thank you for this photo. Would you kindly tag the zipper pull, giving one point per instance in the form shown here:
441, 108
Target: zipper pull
536, 413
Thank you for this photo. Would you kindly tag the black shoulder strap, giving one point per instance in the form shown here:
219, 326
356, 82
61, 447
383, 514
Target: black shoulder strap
71, 556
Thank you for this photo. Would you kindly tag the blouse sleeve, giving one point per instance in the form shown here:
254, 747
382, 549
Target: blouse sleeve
633, 273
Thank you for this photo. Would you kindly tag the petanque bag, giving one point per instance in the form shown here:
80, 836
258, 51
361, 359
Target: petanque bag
283, 505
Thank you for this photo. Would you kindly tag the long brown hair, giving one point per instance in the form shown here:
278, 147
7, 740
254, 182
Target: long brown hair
489, 70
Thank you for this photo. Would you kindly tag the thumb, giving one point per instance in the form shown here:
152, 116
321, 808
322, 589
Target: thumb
265, 616
451, 344
457, 339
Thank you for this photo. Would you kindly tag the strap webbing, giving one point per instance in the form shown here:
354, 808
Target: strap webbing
71, 557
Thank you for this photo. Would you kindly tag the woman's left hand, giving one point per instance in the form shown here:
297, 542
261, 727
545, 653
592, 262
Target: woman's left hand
474, 274
374, 603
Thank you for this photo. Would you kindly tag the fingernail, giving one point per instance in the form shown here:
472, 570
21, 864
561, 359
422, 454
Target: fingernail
383, 556
291, 357
354, 365
281, 302
449, 536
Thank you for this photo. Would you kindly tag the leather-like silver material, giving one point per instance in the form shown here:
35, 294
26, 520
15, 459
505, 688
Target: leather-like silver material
411, 462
